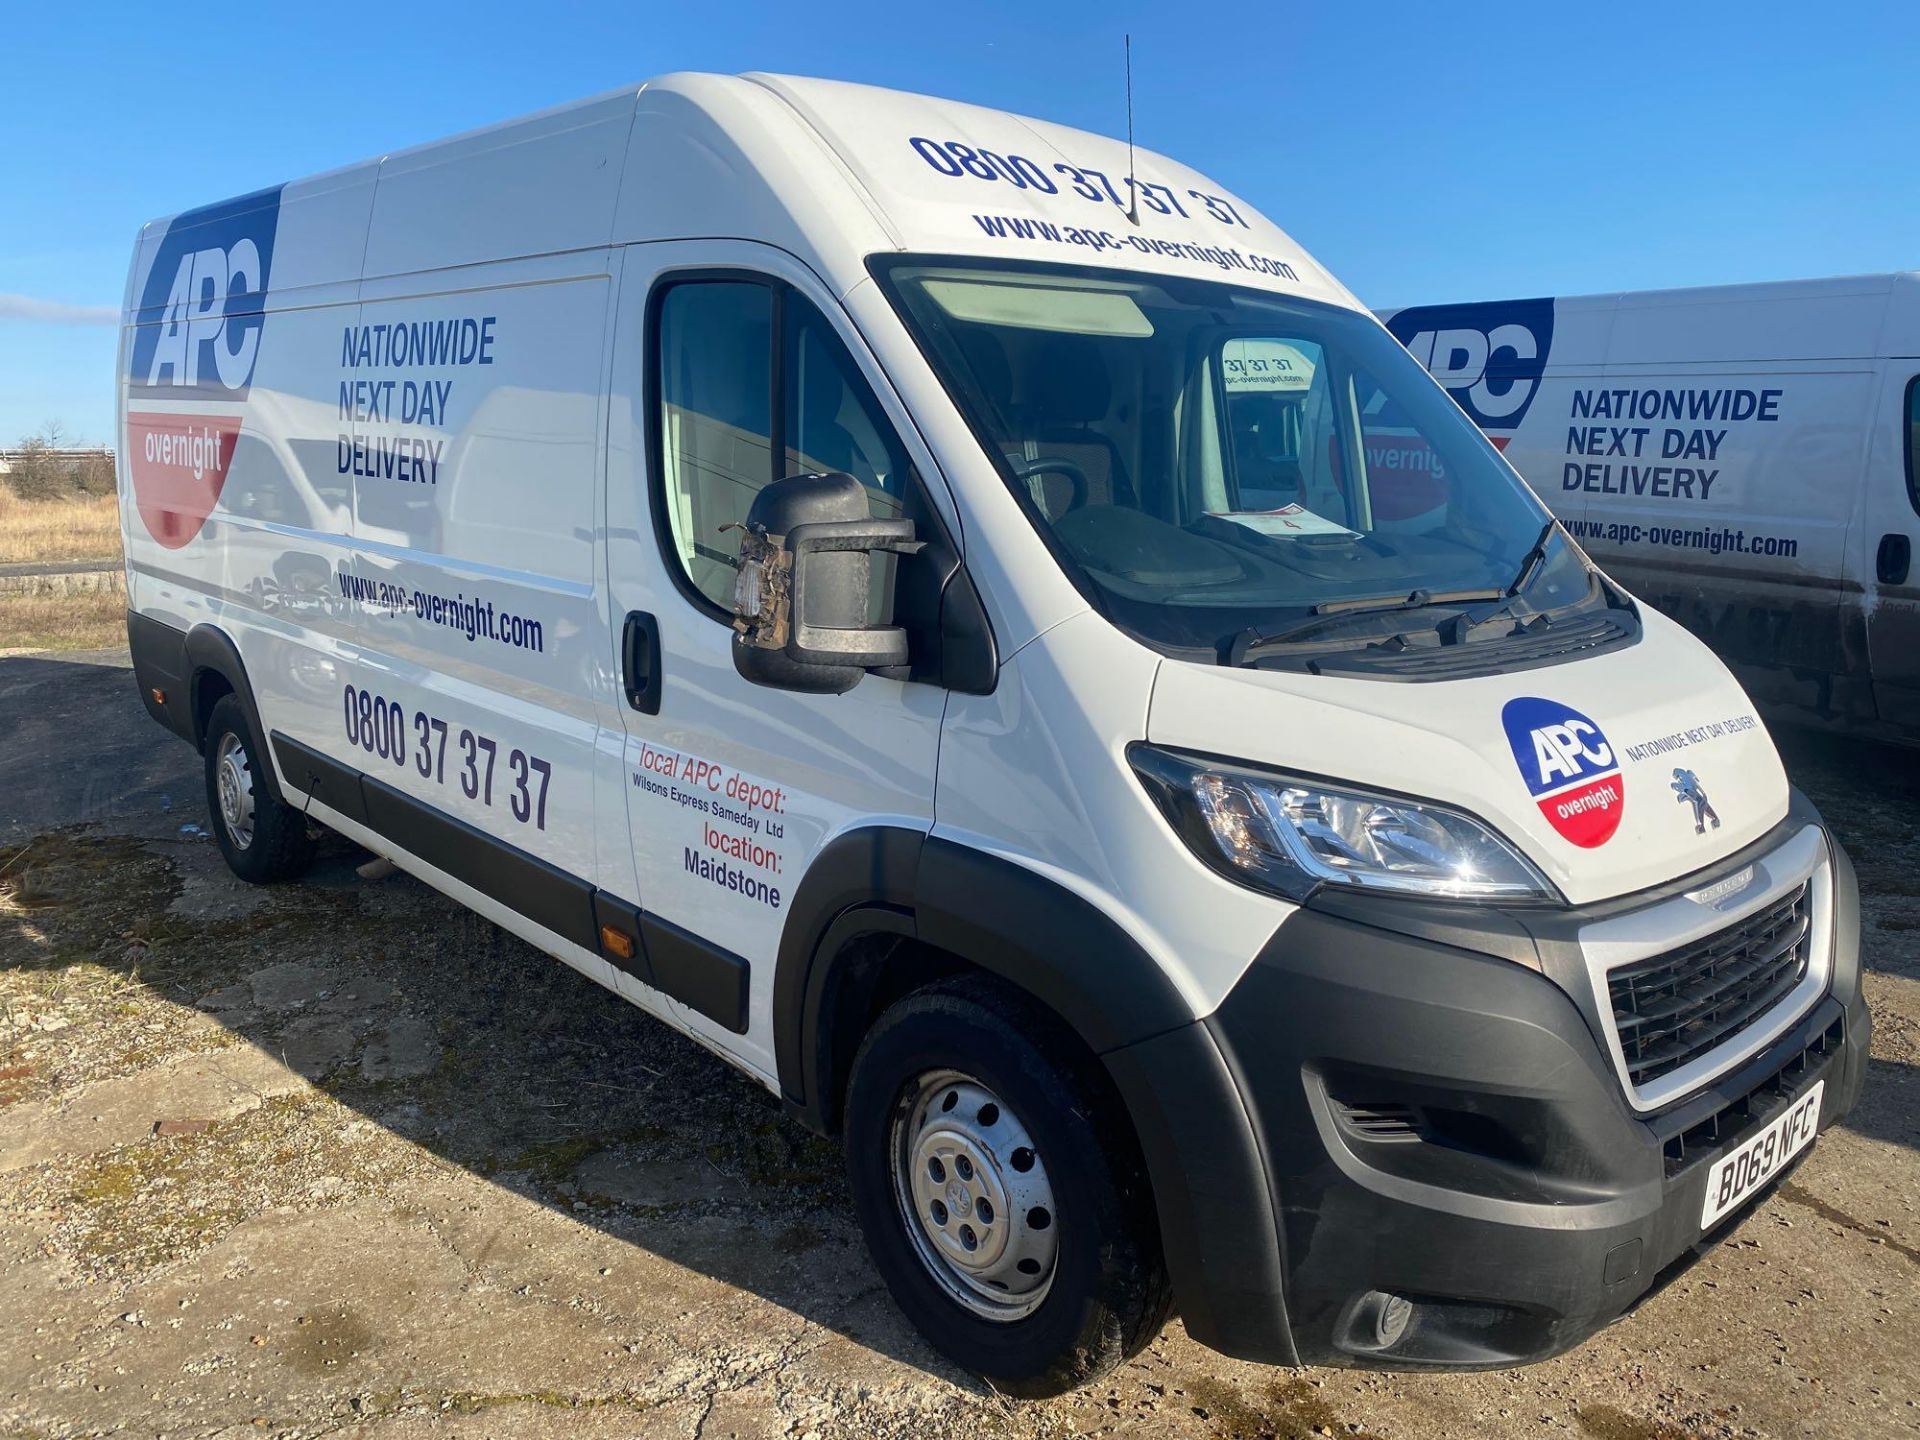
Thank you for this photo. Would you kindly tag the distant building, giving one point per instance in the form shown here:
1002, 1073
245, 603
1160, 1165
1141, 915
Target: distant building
67, 457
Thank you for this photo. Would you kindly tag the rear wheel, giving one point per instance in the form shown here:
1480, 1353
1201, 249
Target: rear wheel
1001, 1190
263, 839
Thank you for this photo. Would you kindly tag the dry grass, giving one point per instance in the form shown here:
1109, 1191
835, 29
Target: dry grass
86, 620
74, 529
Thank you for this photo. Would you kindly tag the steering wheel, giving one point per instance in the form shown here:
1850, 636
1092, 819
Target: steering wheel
1075, 476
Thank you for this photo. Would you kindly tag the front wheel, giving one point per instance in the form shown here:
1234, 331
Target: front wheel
263, 839
1001, 1190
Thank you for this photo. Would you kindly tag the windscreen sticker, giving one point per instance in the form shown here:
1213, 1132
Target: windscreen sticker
1287, 520
1569, 767
1260, 366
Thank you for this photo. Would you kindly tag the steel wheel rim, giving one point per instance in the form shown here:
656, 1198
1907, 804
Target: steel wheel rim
974, 1196
233, 785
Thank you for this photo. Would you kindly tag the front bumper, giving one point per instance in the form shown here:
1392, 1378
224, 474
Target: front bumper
1419, 1102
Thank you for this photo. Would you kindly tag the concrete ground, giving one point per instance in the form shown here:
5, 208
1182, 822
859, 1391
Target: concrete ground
341, 1159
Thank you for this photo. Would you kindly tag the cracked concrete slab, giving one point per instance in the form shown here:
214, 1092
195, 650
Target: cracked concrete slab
652, 1181
206, 893
403, 1049
315, 1045
289, 986
119, 1112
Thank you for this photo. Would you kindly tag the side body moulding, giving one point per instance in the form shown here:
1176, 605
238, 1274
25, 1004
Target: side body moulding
205, 662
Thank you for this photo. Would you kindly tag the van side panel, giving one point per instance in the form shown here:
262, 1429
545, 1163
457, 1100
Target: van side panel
390, 507
536, 186
470, 404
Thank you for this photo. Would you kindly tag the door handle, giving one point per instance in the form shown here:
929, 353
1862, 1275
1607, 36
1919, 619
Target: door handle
1894, 560
640, 661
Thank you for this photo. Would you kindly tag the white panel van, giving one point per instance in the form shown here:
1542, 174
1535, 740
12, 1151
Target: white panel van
990, 638
1746, 458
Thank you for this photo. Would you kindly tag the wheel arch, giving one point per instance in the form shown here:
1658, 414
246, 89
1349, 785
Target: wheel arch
886, 910
883, 909
215, 669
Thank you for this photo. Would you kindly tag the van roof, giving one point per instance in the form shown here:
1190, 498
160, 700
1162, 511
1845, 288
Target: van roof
1841, 317
832, 171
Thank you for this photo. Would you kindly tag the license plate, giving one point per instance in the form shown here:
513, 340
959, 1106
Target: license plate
1735, 1177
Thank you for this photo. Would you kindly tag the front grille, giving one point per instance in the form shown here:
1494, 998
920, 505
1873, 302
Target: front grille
1672, 1008
1735, 1121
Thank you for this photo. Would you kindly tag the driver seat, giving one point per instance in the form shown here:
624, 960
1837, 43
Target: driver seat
1067, 393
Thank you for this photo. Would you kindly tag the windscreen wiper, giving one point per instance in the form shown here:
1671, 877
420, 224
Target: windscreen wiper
1250, 642
1530, 563
1534, 558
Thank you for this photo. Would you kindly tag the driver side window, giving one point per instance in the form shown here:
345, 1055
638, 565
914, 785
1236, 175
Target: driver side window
833, 421
753, 386
1913, 442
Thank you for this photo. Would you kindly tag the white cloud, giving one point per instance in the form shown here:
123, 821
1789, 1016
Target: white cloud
55, 312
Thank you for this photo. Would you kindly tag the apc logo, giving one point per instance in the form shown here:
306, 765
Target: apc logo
196, 337
202, 309
1490, 356
1569, 768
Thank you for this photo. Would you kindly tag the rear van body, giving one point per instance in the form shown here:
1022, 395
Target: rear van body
915, 602
1742, 457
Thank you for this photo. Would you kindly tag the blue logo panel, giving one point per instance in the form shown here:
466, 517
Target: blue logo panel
200, 316
1489, 355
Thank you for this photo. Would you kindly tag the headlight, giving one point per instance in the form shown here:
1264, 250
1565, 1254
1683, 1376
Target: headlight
1292, 836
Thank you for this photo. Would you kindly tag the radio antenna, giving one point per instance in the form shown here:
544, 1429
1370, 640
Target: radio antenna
1133, 184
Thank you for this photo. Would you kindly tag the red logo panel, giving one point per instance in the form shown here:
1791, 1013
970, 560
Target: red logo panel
178, 464
1587, 815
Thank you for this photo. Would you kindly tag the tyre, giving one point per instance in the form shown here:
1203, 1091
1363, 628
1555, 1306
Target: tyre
263, 840
1002, 1191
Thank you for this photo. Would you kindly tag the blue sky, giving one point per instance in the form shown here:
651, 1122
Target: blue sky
1424, 153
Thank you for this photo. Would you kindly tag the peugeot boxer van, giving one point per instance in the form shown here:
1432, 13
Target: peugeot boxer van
1745, 458
913, 598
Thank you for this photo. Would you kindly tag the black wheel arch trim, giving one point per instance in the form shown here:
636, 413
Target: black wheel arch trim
1212, 1186
985, 910
212, 649
178, 663
1058, 946
1174, 1077
857, 876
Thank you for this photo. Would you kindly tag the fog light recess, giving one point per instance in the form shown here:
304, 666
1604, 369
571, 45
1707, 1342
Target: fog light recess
1380, 1320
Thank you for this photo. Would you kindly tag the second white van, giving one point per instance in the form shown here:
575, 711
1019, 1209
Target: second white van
1745, 458
917, 599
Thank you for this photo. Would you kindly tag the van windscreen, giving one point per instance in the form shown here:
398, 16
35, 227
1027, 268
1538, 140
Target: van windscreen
1210, 462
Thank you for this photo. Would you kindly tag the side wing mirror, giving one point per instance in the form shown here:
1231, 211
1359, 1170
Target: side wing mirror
800, 602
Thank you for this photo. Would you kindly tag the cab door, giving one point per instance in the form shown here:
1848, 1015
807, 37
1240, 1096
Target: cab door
1889, 561
734, 368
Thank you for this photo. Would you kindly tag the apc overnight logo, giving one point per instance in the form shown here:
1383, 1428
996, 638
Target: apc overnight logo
1569, 768
1489, 355
196, 340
